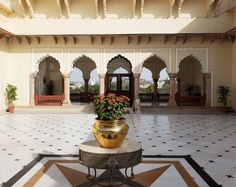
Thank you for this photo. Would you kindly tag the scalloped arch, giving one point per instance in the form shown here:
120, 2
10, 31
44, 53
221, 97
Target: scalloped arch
42, 59
122, 57
201, 55
78, 58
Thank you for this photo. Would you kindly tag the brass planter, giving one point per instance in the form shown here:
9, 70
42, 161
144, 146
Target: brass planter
110, 133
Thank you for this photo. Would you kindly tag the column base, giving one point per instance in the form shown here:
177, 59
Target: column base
32, 103
172, 104
66, 103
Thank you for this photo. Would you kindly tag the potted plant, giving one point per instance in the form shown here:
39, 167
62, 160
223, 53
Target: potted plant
224, 92
110, 128
190, 89
10, 93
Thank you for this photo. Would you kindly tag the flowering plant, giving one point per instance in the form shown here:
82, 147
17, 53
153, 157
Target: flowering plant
110, 106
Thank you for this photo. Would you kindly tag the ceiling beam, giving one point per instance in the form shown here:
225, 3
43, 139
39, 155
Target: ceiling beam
134, 8
105, 8
67, 5
9, 39
180, 6
148, 39
142, 6
203, 39
2, 36
74, 39
96, 7
128, 40
38, 39
171, 7
176, 39
59, 6
28, 39
111, 40
21, 7
19, 39
210, 6
55, 39
166, 38
65, 39
92, 40
29, 4
139, 39
102, 39
212, 39
185, 39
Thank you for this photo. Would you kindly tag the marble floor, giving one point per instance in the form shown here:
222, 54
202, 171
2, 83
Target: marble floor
209, 139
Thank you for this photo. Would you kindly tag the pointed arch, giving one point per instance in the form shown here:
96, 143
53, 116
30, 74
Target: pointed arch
112, 64
200, 54
85, 64
42, 59
163, 54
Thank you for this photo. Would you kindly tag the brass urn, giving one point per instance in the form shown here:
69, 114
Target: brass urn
110, 133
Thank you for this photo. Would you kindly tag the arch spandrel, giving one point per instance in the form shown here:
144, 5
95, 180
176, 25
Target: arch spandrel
76, 53
117, 62
85, 64
43, 58
201, 55
163, 54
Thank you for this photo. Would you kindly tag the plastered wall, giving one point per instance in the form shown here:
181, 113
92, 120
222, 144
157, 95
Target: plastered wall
233, 88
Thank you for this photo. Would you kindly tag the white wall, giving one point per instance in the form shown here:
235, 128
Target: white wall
3, 79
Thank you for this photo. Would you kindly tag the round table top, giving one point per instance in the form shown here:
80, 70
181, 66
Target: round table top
127, 146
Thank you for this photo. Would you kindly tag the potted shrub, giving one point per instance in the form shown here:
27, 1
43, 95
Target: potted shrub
10, 93
224, 92
110, 127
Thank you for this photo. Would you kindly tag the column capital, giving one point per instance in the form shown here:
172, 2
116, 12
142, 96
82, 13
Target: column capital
172, 75
136, 75
66, 75
207, 75
33, 74
102, 75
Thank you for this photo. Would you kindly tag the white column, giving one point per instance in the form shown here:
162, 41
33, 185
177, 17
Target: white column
136, 104
207, 88
172, 102
32, 89
102, 83
66, 89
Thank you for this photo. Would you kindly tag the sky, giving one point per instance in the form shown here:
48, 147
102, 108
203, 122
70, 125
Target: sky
76, 75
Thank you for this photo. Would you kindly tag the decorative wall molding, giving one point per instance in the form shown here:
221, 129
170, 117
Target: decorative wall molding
201, 54
163, 53
75, 53
38, 54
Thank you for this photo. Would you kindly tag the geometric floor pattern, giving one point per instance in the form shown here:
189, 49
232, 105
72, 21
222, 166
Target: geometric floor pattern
209, 139
155, 172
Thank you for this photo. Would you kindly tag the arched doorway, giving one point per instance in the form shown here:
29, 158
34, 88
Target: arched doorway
119, 77
156, 89
83, 80
49, 82
190, 83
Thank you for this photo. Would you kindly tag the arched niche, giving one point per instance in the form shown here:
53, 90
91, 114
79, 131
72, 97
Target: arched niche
190, 77
48, 79
200, 54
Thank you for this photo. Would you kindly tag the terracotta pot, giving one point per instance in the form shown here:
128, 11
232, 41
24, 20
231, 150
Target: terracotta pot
110, 133
11, 108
